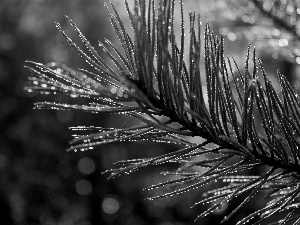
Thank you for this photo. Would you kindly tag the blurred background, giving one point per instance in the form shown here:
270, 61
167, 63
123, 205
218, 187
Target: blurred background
41, 183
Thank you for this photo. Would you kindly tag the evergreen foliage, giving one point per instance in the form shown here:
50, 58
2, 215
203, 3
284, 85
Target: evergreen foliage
152, 80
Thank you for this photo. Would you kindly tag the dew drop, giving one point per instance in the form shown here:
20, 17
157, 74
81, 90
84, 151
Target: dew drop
73, 95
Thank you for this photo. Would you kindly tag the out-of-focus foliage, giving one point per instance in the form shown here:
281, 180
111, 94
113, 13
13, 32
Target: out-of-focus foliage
273, 26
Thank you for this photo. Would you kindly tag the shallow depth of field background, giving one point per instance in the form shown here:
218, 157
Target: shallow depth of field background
41, 183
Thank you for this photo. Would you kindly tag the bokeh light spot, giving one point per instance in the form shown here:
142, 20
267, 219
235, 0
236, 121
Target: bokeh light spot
7, 42
110, 205
84, 187
283, 42
3, 162
86, 165
232, 36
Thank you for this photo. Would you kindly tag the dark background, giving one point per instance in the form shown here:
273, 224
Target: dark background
41, 183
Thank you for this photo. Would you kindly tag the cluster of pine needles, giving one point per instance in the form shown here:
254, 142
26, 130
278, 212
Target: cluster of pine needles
241, 114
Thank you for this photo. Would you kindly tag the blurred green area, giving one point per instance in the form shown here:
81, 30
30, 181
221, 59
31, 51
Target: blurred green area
41, 183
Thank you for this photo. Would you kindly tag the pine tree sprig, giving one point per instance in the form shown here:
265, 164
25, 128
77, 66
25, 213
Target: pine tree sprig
249, 124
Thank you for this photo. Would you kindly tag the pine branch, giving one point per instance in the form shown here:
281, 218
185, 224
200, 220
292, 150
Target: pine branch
152, 79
